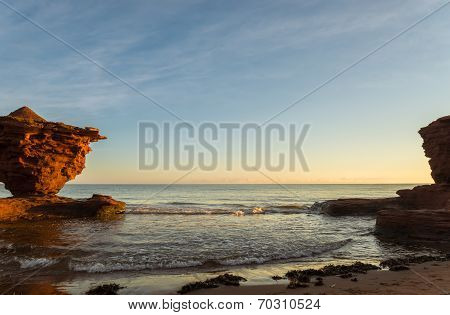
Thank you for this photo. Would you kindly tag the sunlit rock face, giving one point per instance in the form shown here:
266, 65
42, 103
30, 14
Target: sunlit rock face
436, 143
38, 157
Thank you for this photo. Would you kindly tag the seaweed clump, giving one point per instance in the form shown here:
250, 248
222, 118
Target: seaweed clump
394, 263
276, 278
225, 279
299, 278
105, 289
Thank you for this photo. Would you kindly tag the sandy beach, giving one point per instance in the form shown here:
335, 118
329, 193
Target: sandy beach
426, 278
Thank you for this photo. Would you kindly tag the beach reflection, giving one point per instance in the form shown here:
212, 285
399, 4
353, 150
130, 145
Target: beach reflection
35, 256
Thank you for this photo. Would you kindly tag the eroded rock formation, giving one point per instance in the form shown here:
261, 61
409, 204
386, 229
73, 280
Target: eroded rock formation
436, 143
38, 157
419, 213
426, 209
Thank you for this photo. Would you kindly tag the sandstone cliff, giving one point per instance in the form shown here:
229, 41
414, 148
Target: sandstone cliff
436, 143
419, 213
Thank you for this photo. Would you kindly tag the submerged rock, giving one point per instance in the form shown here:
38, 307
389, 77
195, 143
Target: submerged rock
38, 157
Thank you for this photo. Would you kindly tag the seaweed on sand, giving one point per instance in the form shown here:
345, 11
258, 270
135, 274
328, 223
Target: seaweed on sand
407, 260
398, 268
276, 278
225, 279
105, 289
298, 278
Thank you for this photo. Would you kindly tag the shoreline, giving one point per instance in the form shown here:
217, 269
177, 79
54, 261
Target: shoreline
426, 278
260, 282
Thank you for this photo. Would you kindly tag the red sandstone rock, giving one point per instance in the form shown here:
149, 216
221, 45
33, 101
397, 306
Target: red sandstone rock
426, 213
46, 207
38, 157
355, 206
432, 225
436, 143
432, 197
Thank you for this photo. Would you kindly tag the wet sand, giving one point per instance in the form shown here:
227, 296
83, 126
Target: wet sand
427, 278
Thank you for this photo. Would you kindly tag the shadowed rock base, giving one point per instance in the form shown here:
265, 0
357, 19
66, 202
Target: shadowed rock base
54, 207
431, 225
355, 206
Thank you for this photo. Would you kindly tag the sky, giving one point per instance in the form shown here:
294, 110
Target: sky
236, 61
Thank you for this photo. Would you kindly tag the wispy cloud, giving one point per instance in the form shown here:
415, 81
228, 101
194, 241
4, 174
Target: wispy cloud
161, 48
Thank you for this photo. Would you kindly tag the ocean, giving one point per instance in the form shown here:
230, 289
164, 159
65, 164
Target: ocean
190, 229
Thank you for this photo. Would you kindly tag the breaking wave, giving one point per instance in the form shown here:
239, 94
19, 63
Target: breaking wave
190, 209
104, 267
29, 263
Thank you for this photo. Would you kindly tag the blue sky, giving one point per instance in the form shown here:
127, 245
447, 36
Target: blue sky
238, 61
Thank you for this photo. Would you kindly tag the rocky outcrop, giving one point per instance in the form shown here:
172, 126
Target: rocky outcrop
51, 207
355, 206
425, 215
426, 225
432, 197
426, 209
419, 213
436, 143
38, 157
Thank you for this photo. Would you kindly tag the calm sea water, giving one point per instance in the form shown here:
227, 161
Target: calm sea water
173, 228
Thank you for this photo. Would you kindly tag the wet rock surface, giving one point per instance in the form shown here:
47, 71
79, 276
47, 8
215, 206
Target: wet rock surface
355, 206
414, 225
54, 207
